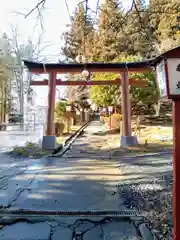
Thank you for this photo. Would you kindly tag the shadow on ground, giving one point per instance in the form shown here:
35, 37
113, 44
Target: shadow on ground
145, 182
85, 179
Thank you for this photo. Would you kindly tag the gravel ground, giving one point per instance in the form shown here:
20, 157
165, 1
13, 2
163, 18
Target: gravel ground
152, 196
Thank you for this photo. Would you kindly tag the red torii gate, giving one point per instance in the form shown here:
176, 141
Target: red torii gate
122, 68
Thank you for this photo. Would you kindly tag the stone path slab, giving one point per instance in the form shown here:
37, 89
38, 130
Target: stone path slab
87, 180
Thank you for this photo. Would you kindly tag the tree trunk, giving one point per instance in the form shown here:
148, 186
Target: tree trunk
5, 103
157, 108
82, 116
21, 101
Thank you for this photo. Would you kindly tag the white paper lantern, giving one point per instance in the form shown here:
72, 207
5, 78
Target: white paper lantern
85, 73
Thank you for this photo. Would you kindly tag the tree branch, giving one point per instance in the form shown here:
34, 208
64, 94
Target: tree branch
39, 4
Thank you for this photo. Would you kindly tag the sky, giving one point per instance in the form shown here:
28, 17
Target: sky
55, 19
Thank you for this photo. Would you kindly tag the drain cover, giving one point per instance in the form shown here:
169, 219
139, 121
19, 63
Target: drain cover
127, 213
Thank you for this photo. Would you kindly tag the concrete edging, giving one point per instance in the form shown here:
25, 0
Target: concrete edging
149, 154
68, 141
145, 232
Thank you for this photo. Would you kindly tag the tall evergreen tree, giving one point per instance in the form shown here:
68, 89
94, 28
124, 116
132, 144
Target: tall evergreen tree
79, 33
141, 33
78, 41
139, 30
112, 36
163, 15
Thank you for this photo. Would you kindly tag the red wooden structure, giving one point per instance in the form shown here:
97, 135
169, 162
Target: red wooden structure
133, 82
54, 68
122, 69
169, 87
37, 67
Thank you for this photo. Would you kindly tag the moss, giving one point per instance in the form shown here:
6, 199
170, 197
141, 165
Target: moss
30, 150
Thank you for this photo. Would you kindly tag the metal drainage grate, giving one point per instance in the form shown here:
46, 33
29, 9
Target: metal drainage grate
126, 213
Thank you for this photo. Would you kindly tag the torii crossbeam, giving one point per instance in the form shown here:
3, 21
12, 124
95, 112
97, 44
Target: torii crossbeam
132, 82
122, 68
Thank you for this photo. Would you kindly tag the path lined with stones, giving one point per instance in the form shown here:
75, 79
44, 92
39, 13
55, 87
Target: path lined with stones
83, 179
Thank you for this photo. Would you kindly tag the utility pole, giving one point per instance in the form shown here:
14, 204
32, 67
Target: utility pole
22, 102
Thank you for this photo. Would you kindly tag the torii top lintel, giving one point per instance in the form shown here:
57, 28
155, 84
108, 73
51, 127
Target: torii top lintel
38, 67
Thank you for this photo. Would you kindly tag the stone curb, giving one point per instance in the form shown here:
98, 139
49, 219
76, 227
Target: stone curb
68, 141
143, 228
149, 154
145, 232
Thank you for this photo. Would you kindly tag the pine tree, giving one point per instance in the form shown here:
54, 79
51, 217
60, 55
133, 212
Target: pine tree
139, 30
78, 41
112, 37
163, 16
117, 38
79, 33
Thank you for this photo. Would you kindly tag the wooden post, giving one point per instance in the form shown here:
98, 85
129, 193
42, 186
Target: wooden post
125, 105
176, 167
68, 122
51, 103
110, 122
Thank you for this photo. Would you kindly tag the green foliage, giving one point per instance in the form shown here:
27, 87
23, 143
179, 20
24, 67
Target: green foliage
111, 33
60, 109
30, 150
147, 31
149, 94
110, 95
105, 95
163, 17
74, 38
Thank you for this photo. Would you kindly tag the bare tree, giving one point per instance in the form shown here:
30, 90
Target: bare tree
37, 8
6, 76
77, 95
20, 51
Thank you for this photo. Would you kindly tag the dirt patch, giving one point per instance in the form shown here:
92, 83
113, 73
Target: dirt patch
154, 200
151, 140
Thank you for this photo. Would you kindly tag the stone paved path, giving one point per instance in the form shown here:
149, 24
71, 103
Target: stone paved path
83, 179
10, 169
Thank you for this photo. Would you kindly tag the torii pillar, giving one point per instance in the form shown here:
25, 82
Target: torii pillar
126, 137
52, 68
51, 103
49, 141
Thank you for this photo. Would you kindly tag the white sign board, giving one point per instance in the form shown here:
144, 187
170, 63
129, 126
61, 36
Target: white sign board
173, 65
110, 109
161, 79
